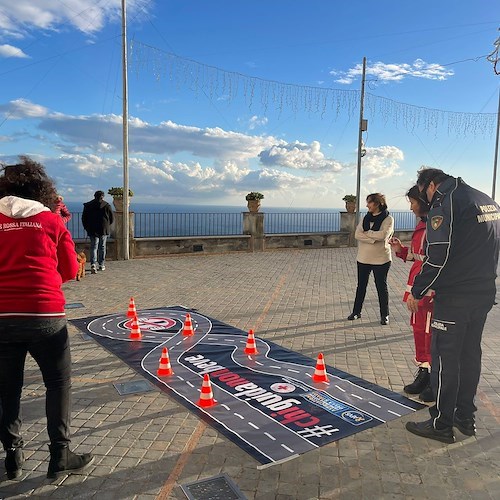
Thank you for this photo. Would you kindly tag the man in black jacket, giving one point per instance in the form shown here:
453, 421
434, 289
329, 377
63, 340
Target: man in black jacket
463, 234
97, 218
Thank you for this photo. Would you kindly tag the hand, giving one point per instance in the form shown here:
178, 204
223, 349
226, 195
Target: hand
395, 244
412, 304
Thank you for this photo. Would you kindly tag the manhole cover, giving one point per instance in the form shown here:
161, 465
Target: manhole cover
133, 387
214, 488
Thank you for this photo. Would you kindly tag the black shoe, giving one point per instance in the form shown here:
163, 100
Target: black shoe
63, 461
384, 320
14, 460
466, 426
422, 380
426, 430
354, 316
427, 395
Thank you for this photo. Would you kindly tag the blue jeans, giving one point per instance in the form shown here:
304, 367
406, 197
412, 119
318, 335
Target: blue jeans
98, 249
47, 342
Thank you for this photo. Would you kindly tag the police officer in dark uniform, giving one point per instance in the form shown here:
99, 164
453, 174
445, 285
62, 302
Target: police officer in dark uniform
463, 234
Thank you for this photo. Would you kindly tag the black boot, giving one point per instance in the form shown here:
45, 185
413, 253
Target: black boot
14, 463
427, 395
63, 461
422, 380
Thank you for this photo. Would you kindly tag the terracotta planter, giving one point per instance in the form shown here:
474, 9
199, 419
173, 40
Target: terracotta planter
253, 206
118, 203
350, 206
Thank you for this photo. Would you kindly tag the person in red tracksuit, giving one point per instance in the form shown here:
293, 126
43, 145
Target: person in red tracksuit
421, 320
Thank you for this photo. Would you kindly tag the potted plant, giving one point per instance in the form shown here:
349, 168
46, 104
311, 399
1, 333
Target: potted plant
350, 203
117, 194
253, 198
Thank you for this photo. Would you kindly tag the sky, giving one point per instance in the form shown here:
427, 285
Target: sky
227, 97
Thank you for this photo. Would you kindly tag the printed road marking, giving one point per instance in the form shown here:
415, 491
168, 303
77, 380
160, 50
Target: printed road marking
269, 436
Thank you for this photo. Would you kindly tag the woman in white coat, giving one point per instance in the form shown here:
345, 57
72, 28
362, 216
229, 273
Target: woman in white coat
374, 254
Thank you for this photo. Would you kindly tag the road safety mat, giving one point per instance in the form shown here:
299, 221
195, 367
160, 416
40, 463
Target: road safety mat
267, 403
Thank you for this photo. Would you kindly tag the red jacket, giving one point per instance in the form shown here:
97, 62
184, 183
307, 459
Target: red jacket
37, 255
415, 253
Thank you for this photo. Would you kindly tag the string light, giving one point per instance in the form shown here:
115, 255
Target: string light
182, 73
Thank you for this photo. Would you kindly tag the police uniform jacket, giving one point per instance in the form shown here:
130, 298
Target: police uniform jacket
463, 235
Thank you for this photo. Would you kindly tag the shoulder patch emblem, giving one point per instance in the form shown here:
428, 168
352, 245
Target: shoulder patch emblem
436, 221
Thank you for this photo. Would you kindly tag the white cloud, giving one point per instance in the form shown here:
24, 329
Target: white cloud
11, 51
88, 16
381, 163
298, 155
257, 121
22, 108
384, 72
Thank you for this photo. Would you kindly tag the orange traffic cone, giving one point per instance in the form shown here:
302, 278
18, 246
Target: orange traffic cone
135, 331
207, 396
165, 368
132, 311
251, 347
320, 370
188, 326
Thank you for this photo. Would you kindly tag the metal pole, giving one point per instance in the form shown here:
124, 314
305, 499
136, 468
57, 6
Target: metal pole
360, 141
125, 231
495, 161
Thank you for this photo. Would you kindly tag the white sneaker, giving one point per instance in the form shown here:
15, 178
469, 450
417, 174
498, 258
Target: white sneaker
93, 269
102, 268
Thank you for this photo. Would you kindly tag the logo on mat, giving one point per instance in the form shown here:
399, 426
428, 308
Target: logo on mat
436, 221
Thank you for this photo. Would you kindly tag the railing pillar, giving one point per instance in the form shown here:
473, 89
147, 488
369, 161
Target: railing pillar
253, 224
348, 225
117, 234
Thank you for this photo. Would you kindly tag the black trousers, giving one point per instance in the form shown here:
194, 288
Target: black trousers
380, 274
47, 341
456, 358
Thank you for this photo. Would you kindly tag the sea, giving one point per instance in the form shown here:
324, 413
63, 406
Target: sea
169, 220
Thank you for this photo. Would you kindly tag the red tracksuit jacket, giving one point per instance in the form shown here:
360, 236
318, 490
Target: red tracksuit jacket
37, 255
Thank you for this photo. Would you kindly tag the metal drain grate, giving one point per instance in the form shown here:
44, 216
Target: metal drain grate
214, 488
133, 387
73, 305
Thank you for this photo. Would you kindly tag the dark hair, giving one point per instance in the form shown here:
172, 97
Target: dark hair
415, 194
27, 179
99, 195
379, 199
426, 175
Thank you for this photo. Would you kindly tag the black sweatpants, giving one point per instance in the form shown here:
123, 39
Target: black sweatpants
456, 358
380, 274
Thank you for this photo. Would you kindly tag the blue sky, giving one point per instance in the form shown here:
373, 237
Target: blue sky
207, 123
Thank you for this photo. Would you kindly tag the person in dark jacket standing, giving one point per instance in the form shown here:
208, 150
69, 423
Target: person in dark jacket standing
463, 234
97, 218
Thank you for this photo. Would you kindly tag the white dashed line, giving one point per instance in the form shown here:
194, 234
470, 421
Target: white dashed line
286, 448
225, 406
229, 340
308, 375
356, 396
293, 371
269, 436
374, 404
274, 366
253, 425
180, 378
239, 416
340, 388
394, 413
258, 363
189, 383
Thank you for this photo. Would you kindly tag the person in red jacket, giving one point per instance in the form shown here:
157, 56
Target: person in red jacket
421, 320
61, 209
37, 255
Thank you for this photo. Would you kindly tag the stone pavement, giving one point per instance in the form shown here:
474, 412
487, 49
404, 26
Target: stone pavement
146, 444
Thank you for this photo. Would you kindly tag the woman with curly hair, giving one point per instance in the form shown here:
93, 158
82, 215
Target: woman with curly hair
37, 256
